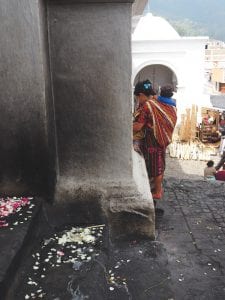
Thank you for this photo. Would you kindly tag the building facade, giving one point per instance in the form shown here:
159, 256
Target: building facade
161, 55
215, 65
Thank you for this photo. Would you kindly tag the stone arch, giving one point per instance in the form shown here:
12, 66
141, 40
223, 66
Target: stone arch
159, 73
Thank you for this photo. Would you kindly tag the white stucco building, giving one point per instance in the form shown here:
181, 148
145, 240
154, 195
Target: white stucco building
164, 57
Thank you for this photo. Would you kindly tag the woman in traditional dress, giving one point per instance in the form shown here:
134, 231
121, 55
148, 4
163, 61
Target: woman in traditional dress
155, 119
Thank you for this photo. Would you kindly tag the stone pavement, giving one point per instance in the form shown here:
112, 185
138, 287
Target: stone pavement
192, 231
185, 262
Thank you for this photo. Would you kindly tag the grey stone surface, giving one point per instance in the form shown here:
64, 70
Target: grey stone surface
192, 231
23, 147
132, 270
126, 207
217, 101
91, 67
91, 70
66, 106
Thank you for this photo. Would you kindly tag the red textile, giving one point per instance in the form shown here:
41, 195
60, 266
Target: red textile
159, 121
220, 175
161, 118
154, 155
164, 119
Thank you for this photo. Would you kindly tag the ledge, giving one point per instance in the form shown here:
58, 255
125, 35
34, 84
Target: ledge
89, 1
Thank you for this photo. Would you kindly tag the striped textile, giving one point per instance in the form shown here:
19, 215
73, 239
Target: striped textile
154, 155
164, 118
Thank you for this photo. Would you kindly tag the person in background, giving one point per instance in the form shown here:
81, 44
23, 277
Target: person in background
215, 135
205, 120
157, 118
220, 175
222, 124
210, 171
221, 151
139, 135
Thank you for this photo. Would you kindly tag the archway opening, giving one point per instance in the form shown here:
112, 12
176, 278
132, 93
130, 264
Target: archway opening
159, 75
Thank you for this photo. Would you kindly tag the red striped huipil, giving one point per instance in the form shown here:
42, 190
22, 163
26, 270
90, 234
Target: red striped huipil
159, 122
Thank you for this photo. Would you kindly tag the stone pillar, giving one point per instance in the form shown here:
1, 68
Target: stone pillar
90, 64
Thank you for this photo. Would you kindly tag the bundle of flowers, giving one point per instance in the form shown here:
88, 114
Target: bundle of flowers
65, 252
10, 206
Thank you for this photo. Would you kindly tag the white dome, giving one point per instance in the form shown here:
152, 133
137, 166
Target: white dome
154, 28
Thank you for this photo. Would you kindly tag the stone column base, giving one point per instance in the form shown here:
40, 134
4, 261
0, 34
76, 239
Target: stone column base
129, 213
126, 207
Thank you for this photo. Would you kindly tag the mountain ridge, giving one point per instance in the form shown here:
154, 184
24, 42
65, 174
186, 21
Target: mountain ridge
206, 16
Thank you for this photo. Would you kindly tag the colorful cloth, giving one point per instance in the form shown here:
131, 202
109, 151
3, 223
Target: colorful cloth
220, 175
164, 119
154, 155
139, 135
159, 120
166, 100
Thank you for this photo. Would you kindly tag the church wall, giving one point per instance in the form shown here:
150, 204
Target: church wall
184, 56
23, 146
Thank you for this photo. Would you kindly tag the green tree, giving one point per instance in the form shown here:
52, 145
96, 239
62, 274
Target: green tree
207, 16
187, 27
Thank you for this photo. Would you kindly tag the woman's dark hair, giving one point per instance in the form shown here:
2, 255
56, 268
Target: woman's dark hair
166, 91
210, 163
144, 87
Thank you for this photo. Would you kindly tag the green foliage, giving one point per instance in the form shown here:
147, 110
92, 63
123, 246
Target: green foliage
187, 27
204, 16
